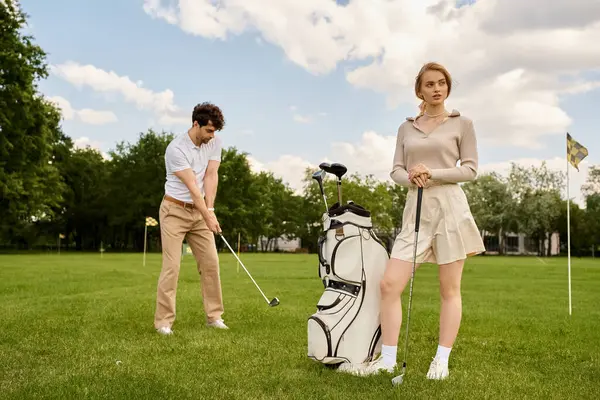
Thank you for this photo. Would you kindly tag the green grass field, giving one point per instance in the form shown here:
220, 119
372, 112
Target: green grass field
67, 320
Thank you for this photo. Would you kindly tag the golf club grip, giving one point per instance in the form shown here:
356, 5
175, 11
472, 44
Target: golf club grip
419, 203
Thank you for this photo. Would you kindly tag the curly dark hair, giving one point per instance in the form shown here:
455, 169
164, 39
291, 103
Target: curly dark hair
207, 111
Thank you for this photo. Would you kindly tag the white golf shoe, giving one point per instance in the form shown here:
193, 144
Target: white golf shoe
372, 368
218, 324
164, 330
438, 369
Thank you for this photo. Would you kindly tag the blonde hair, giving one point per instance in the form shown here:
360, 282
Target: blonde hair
431, 66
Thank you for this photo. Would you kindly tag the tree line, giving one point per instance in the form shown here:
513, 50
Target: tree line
49, 188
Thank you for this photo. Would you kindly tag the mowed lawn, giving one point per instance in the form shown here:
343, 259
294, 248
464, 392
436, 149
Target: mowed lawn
77, 326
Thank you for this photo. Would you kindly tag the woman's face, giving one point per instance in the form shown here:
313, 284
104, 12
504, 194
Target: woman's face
434, 88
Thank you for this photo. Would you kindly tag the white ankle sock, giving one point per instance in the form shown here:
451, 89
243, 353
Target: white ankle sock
443, 353
389, 354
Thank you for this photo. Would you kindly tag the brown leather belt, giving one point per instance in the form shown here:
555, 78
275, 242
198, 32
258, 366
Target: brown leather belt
179, 202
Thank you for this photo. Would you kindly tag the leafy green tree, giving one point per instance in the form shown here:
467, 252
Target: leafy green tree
592, 184
239, 198
580, 229
281, 209
492, 205
398, 195
30, 185
536, 192
137, 178
84, 215
592, 221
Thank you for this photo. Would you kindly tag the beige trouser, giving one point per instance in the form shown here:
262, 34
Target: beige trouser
176, 223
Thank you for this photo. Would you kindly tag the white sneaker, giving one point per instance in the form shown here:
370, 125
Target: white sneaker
164, 330
218, 324
438, 369
350, 368
372, 368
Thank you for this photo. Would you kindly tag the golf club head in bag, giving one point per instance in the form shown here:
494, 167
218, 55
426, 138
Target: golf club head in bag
400, 378
338, 170
318, 176
324, 166
275, 301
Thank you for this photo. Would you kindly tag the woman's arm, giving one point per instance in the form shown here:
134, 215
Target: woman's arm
399, 173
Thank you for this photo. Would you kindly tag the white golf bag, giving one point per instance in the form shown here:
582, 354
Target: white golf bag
346, 326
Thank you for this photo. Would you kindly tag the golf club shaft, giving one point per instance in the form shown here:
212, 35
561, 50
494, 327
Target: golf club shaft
325, 200
242, 264
323, 194
412, 276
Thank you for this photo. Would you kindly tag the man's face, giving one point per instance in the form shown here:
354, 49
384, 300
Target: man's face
205, 133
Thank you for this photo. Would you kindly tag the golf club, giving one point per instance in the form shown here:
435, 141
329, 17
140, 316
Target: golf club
400, 378
324, 166
272, 303
338, 170
318, 176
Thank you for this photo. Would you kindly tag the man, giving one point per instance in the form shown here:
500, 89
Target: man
187, 210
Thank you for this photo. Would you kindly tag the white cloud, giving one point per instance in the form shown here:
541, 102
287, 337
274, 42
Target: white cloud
305, 118
67, 111
96, 117
302, 119
85, 115
512, 62
289, 168
110, 83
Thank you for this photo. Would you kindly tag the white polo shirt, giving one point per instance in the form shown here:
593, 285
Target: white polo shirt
181, 154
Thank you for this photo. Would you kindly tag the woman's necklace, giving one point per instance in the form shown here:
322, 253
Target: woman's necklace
434, 116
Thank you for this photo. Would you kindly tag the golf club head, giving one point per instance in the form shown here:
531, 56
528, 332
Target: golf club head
337, 169
324, 166
398, 380
318, 175
274, 302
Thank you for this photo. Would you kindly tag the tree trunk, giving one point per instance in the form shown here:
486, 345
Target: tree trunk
501, 249
268, 246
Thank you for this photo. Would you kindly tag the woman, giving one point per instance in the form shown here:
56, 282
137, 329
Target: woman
427, 150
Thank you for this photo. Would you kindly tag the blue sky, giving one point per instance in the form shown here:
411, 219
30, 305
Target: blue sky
256, 84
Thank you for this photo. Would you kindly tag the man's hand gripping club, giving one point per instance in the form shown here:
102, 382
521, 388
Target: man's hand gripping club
189, 179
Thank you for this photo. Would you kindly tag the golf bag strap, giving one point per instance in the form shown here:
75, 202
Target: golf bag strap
321, 257
346, 287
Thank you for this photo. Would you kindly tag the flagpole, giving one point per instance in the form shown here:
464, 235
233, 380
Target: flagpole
569, 235
238, 251
145, 235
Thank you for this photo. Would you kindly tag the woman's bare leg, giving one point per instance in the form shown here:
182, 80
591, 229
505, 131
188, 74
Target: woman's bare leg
450, 316
395, 279
451, 309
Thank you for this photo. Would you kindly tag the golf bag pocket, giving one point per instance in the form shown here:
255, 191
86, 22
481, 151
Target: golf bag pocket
335, 310
332, 301
341, 257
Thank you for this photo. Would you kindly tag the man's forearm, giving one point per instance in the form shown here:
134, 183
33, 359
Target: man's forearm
198, 200
210, 189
